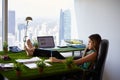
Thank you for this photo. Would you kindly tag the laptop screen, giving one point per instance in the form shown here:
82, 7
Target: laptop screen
46, 41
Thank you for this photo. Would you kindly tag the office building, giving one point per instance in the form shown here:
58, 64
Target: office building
21, 28
65, 25
11, 22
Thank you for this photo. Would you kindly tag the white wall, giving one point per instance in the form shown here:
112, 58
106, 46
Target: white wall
103, 17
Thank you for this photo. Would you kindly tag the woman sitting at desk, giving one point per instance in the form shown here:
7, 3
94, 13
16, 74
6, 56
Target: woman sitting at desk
90, 53
32, 51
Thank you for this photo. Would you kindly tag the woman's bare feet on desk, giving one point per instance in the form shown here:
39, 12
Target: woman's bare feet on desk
27, 51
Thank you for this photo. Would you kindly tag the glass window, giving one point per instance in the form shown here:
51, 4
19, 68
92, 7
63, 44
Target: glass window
49, 18
0, 25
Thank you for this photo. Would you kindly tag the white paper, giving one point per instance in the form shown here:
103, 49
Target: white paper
47, 64
34, 59
33, 65
6, 65
47, 60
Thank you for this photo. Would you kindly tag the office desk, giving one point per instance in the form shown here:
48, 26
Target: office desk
66, 49
57, 69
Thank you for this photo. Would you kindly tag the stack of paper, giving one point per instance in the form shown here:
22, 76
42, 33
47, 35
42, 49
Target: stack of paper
6, 66
31, 63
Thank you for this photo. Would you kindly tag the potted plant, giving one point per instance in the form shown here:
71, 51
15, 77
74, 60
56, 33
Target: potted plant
18, 69
69, 62
41, 65
35, 43
5, 47
5, 50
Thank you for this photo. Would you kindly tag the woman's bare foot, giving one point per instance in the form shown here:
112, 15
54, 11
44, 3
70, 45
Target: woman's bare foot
27, 51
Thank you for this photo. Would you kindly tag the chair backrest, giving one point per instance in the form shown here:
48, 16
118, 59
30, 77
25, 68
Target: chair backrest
1, 77
102, 54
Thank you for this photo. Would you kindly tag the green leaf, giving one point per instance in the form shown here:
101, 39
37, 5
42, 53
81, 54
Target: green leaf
41, 63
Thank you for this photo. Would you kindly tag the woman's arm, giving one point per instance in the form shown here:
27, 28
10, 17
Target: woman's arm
87, 58
53, 59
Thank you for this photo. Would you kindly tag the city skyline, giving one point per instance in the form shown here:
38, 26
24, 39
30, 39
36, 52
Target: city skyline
43, 20
45, 27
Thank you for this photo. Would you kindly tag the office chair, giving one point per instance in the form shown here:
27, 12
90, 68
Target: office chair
97, 72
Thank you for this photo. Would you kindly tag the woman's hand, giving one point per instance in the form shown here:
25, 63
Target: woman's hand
53, 59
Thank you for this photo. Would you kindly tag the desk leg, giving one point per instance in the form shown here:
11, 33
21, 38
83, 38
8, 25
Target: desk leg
81, 53
73, 53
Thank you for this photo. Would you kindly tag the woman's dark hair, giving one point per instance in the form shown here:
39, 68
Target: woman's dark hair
96, 38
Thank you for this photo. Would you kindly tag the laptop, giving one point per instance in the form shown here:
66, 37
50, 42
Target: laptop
45, 42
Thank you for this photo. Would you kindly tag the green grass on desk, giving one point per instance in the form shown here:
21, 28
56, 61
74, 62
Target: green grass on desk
14, 56
28, 74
